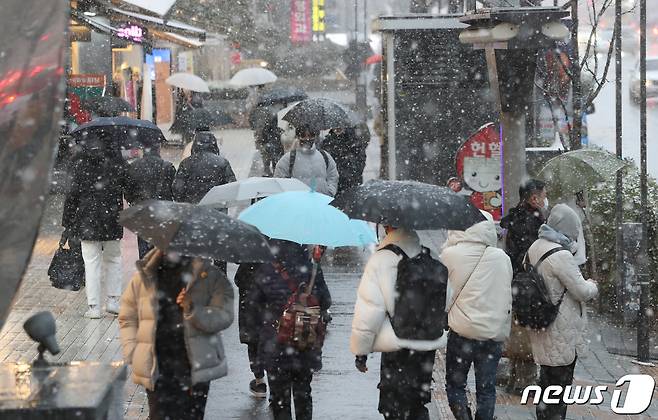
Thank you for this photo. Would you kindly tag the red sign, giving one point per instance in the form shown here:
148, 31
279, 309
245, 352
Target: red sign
80, 88
300, 21
479, 165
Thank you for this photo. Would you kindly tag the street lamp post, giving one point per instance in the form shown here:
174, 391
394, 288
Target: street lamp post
643, 352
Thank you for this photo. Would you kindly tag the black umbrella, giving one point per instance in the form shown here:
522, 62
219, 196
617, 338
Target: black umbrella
409, 204
321, 114
197, 231
126, 132
282, 95
107, 106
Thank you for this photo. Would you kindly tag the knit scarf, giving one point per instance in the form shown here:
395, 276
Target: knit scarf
550, 234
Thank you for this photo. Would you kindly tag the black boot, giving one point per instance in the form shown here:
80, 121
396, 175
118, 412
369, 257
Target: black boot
461, 412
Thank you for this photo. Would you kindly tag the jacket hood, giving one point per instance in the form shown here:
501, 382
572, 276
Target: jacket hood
564, 220
204, 141
407, 240
483, 232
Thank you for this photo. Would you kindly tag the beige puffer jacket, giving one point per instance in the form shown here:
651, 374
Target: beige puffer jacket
559, 343
208, 309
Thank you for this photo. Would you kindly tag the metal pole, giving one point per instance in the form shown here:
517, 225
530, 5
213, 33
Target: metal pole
575, 81
643, 277
619, 208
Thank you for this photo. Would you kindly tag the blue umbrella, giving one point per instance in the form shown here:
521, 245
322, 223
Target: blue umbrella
307, 218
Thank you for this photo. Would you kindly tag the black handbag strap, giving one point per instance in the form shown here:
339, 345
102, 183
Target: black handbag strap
541, 260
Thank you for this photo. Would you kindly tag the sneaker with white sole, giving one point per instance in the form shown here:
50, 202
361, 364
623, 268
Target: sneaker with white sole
112, 306
93, 312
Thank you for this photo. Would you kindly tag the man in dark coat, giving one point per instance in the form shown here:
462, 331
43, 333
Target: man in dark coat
149, 177
522, 224
348, 148
523, 221
289, 371
271, 147
204, 169
91, 214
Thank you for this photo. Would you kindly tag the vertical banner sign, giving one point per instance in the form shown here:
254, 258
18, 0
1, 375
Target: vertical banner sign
82, 87
300, 21
318, 16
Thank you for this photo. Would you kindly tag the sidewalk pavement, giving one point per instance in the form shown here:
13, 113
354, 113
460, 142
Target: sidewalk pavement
340, 392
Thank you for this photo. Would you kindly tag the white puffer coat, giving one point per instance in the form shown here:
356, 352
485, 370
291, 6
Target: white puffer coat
483, 308
371, 328
559, 343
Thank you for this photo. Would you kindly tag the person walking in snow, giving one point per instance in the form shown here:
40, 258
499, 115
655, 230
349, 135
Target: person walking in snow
557, 347
91, 214
479, 315
406, 364
315, 168
172, 313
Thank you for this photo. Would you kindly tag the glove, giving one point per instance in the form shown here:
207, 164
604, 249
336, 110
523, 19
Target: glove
360, 363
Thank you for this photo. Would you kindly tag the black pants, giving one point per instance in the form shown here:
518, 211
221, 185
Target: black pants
254, 362
404, 387
284, 382
554, 375
173, 400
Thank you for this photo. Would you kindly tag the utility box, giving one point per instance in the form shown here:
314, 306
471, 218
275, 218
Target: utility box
434, 95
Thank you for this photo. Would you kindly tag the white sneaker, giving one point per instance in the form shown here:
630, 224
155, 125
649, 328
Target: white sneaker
112, 306
93, 313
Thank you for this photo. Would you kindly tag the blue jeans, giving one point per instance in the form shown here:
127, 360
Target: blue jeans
460, 354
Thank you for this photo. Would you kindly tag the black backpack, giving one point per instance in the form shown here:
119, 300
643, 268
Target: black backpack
531, 303
421, 287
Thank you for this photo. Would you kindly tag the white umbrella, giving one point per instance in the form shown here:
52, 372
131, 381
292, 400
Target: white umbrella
250, 188
188, 81
253, 76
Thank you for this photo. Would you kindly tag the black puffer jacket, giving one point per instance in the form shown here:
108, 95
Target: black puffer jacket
93, 203
349, 151
150, 178
270, 293
204, 169
522, 224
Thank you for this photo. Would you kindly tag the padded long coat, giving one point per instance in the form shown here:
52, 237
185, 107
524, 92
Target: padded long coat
208, 309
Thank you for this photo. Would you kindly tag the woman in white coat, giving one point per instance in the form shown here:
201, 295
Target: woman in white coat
407, 365
557, 347
479, 315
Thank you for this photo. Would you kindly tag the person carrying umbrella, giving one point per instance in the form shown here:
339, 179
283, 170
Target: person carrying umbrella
348, 148
178, 302
149, 177
289, 370
316, 168
91, 214
406, 364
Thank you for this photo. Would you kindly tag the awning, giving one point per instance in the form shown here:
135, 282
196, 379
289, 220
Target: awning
93, 22
159, 7
177, 39
165, 25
